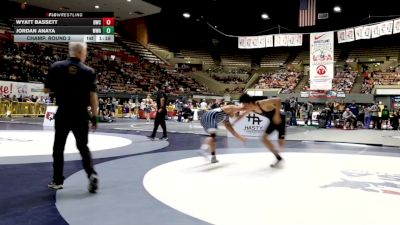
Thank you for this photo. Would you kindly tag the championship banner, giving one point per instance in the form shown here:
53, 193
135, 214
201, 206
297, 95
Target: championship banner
349, 35
396, 26
20, 88
321, 60
269, 41
254, 42
375, 31
359, 33
266, 41
248, 42
253, 125
386, 28
345, 35
362, 32
295, 40
261, 41
280, 40
341, 36
367, 32
241, 42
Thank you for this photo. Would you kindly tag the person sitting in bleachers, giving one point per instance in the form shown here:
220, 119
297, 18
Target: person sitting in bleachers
284, 79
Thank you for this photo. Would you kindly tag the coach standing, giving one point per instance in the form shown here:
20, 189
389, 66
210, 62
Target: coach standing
161, 113
74, 86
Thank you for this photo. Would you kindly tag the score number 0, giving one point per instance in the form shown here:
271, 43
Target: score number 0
108, 21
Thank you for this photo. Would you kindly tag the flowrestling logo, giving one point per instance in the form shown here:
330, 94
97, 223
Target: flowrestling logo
377, 182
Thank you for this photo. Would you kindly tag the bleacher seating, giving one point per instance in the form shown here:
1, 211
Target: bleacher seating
344, 81
4, 26
157, 47
229, 75
375, 52
235, 60
286, 80
30, 62
274, 59
141, 50
202, 55
380, 78
302, 57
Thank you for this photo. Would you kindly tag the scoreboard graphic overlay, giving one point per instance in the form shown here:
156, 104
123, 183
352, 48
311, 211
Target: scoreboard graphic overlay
66, 27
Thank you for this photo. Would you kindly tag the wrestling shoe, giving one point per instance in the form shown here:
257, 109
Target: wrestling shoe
93, 183
277, 163
55, 186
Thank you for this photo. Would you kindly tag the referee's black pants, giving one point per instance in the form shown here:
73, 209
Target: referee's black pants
160, 120
80, 129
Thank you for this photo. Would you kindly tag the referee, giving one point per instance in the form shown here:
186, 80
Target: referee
161, 113
74, 86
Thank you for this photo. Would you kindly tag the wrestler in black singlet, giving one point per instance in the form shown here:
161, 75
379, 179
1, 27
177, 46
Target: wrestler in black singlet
281, 127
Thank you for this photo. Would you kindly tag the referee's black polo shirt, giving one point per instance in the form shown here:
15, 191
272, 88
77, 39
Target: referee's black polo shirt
71, 81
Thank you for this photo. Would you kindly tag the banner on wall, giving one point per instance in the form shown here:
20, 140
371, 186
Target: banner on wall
253, 42
359, 33
375, 31
369, 31
280, 40
396, 26
386, 27
346, 35
321, 60
20, 88
283, 40
267, 41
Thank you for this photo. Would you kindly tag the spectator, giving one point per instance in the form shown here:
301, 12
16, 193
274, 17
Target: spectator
353, 108
375, 115
148, 107
349, 119
367, 116
385, 116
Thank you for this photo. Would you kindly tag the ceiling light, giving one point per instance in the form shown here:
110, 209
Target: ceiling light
128, 0
130, 13
337, 9
216, 26
264, 16
186, 15
96, 6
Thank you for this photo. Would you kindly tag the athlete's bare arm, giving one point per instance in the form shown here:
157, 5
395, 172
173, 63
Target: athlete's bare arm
229, 127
